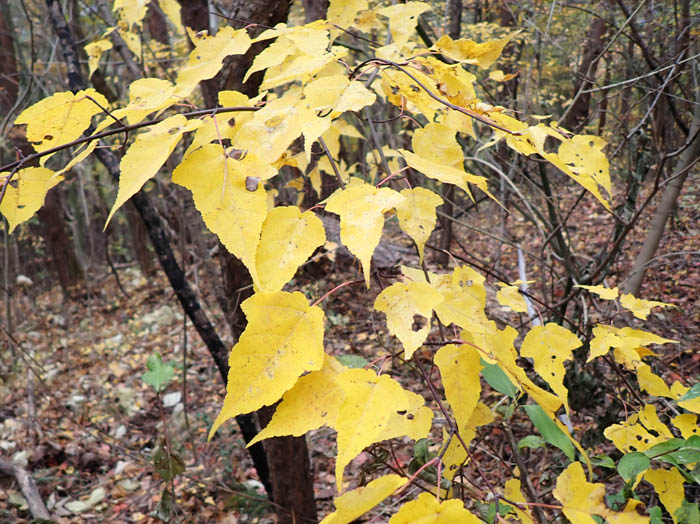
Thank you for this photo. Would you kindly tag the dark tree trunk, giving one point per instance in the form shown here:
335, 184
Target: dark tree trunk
315, 9
157, 27
139, 240
9, 79
287, 457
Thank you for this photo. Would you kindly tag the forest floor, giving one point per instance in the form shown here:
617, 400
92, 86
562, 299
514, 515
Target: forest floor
76, 413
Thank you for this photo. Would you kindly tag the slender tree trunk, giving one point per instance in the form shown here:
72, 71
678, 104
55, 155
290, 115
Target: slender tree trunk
668, 202
315, 9
9, 78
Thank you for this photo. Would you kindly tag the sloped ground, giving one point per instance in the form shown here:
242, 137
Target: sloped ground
76, 413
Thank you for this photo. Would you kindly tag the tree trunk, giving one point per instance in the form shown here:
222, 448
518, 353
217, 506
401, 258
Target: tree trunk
9, 78
668, 201
315, 9
290, 482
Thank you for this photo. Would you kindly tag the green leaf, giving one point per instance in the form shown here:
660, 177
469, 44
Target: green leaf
167, 464
687, 514
632, 465
693, 392
159, 373
685, 455
531, 441
549, 430
664, 448
693, 442
655, 515
603, 461
353, 361
166, 506
498, 380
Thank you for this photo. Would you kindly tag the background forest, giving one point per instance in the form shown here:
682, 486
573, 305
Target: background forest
550, 151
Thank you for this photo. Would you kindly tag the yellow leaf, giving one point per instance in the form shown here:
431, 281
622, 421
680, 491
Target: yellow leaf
414, 422
464, 297
25, 194
453, 457
147, 155
131, 11
678, 390
289, 237
409, 309
364, 415
342, 13
625, 339
427, 510
60, 118
668, 484
511, 297
603, 292
357, 502
207, 58
446, 174
300, 67
634, 434
314, 401
147, 95
171, 8
460, 368
651, 383
405, 93
470, 52
230, 210
403, 19
417, 215
687, 423
282, 340
550, 346
337, 93
94, 50
272, 55
361, 208
640, 308
582, 499
438, 144
512, 491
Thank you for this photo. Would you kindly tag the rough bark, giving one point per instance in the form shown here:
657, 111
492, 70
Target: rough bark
9, 79
668, 202
315, 9
158, 238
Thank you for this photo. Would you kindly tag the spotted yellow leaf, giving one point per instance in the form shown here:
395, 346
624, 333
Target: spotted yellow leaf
289, 237
409, 308
460, 368
282, 340
511, 297
413, 422
639, 432
471, 52
668, 484
361, 208
417, 215
342, 13
353, 504
640, 308
131, 11
652, 383
625, 341
688, 425
25, 193
550, 346
426, 508
95, 50
147, 155
60, 118
231, 207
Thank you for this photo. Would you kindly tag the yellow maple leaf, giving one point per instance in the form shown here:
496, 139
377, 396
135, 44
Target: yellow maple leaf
207, 58
603, 292
289, 237
364, 415
460, 368
511, 297
640, 308
550, 346
403, 19
471, 52
60, 118
361, 208
417, 215
147, 155
409, 308
314, 401
668, 484
427, 509
232, 210
582, 499
353, 504
25, 194
282, 340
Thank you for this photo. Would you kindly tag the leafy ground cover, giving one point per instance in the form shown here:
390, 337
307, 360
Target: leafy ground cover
78, 415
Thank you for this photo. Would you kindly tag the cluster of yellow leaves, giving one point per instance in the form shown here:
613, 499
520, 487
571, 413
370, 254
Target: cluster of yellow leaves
280, 356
